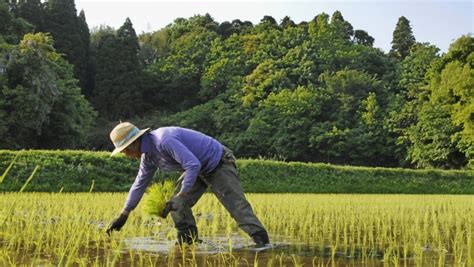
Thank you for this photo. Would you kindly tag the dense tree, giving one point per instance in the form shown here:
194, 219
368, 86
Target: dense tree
341, 26
71, 35
285, 118
152, 46
267, 23
33, 12
313, 91
226, 29
363, 38
403, 38
181, 26
268, 20
225, 63
43, 103
180, 71
241, 26
119, 92
85, 67
410, 95
287, 22
444, 134
12, 28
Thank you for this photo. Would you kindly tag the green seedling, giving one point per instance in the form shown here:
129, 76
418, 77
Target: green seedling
8, 169
29, 178
156, 197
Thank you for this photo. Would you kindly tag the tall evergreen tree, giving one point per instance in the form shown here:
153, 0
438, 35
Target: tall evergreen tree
32, 11
269, 19
85, 67
287, 22
363, 38
267, 23
118, 92
12, 28
403, 39
62, 22
341, 26
225, 29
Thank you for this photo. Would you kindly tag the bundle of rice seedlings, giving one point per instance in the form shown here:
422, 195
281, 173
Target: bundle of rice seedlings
154, 201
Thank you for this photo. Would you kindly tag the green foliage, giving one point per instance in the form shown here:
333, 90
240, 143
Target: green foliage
12, 29
286, 91
403, 38
84, 69
225, 63
363, 38
313, 91
29, 179
266, 78
179, 73
33, 12
406, 105
443, 136
156, 196
72, 170
271, 177
42, 100
181, 26
286, 22
286, 118
341, 26
75, 170
118, 91
7, 170
431, 138
71, 36
153, 45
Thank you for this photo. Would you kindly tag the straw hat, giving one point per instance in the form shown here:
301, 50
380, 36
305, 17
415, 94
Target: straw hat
123, 135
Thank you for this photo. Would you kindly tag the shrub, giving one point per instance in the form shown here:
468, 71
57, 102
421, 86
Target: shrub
75, 171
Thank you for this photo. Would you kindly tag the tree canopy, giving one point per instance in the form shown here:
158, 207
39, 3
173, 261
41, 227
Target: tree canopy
310, 91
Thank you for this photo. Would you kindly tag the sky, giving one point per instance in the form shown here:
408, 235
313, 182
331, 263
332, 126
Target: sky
436, 22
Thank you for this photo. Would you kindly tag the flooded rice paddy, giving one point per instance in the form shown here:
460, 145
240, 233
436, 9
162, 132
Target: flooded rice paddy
42, 229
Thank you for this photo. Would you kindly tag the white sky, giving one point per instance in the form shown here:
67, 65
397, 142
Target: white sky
436, 22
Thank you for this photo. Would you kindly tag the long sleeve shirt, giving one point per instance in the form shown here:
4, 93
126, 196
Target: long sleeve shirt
173, 149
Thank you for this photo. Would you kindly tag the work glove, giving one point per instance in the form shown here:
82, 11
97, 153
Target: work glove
117, 223
167, 210
172, 205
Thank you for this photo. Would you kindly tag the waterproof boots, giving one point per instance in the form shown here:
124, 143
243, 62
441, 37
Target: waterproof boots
261, 239
188, 236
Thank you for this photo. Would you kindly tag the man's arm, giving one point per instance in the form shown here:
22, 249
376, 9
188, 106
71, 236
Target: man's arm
186, 159
143, 179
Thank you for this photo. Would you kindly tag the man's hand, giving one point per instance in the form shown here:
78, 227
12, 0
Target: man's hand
173, 204
117, 223
167, 210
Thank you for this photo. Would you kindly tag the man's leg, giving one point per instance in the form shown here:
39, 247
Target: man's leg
225, 183
183, 217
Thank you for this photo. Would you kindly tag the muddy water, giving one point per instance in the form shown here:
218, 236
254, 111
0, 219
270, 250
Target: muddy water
238, 251
233, 251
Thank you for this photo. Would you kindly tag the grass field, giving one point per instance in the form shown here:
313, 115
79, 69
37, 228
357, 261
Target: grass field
51, 229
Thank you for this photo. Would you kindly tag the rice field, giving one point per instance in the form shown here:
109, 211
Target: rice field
51, 229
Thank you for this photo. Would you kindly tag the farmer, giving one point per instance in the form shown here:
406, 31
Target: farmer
205, 162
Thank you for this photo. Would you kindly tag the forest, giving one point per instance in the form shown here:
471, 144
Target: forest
310, 91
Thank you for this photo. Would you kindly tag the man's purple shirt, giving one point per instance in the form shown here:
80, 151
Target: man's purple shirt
174, 149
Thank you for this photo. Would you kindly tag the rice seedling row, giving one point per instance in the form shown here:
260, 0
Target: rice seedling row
51, 229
